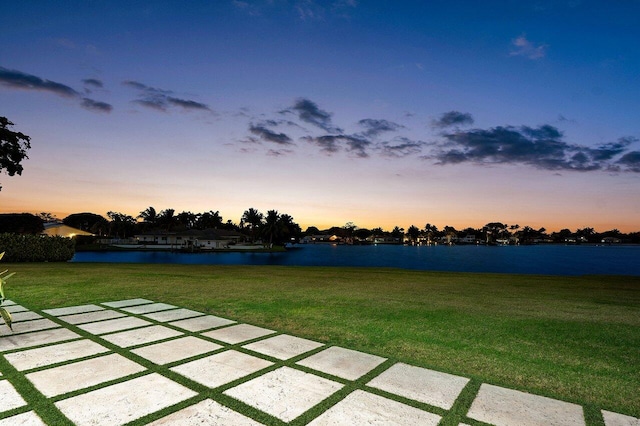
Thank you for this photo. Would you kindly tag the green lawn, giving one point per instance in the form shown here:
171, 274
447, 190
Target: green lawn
572, 338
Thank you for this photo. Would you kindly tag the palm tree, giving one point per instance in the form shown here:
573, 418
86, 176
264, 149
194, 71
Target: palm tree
254, 218
121, 224
209, 219
149, 216
430, 231
167, 218
272, 228
290, 229
413, 232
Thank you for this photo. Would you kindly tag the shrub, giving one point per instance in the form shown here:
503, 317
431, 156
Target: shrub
36, 248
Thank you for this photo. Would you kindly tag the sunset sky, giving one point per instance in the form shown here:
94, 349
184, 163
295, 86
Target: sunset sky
379, 113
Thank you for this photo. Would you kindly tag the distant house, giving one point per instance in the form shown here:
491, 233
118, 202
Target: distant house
321, 238
208, 239
611, 240
468, 239
62, 230
386, 240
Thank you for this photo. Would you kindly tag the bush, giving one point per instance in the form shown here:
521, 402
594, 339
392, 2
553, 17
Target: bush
36, 248
20, 223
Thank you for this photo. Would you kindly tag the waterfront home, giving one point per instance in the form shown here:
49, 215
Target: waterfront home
208, 239
321, 238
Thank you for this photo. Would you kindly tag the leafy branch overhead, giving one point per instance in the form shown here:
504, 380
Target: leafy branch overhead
13, 148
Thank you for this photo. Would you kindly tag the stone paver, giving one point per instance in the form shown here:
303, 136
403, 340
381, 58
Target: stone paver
145, 309
219, 369
420, 384
36, 338
47, 355
176, 350
27, 326
25, 419
341, 362
14, 308
91, 316
82, 374
506, 407
117, 324
124, 402
24, 316
10, 397
363, 408
174, 314
283, 346
8, 302
126, 303
207, 412
284, 393
139, 336
73, 310
615, 419
238, 333
202, 323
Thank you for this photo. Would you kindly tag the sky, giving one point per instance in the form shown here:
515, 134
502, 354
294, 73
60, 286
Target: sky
380, 113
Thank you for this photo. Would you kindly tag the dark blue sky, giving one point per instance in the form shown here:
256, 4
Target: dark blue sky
377, 112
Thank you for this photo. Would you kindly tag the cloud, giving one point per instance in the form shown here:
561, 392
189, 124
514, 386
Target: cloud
522, 47
93, 83
278, 152
18, 80
333, 143
97, 106
269, 135
612, 149
309, 112
402, 147
452, 118
631, 160
22, 81
542, 147
375, 127
160, 99
187, 104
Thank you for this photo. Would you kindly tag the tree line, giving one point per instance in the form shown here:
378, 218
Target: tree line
280, 228
491, 233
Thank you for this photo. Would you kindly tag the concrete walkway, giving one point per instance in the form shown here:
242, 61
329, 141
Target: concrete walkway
153, 363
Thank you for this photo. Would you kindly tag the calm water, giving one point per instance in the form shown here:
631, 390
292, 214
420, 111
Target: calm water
550, 260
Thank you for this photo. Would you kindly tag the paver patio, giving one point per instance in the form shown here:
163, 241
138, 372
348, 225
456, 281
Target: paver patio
103, 376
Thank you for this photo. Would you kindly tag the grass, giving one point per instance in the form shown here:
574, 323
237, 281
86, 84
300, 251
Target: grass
570, 338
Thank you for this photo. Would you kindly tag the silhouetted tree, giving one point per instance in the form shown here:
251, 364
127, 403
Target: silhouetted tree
149, 217
89, 222
47, 217
397, 232
413, 232
209, 219
430, 231
290, 229
13, 149
312, 230
167, 219
254, 218
362, 234
20, 223
272, 227
121, 225
187, 219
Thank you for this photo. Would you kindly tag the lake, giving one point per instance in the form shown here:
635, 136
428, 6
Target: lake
541, 259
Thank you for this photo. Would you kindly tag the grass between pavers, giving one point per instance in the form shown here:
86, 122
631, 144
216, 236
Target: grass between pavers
570, 338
